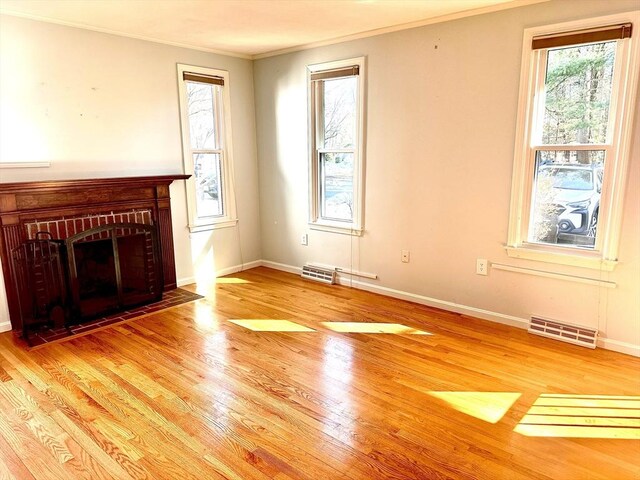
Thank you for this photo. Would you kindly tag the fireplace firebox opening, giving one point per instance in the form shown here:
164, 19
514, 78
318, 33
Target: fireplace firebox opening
96, 272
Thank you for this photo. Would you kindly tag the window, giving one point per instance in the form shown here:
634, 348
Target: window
336, 97
572, 141
206, 145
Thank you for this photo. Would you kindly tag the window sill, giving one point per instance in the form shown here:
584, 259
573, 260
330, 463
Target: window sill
25, 164
356, 232
574, 259
213, 226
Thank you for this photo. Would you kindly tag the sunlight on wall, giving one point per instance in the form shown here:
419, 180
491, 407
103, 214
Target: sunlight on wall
202, 259
582, 416
370, 327
487, 406
289, 136
22, 139
272, 325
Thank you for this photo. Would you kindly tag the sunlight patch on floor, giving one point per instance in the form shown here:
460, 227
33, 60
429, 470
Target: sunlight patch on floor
487, 406
582, 416
272, 325
204, 317
231, 280
370, 327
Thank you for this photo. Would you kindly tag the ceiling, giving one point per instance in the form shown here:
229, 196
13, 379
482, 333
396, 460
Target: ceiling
249, 28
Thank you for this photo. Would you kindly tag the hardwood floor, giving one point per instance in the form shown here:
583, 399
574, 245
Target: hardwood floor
185, 393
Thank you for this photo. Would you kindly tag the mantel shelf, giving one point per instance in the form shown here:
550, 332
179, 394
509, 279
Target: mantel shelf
86, 183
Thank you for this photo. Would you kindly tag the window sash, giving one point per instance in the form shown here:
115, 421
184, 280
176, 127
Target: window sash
322, 185
529, 195
218, 150
221, 186
317, 92
540, 70
218, 124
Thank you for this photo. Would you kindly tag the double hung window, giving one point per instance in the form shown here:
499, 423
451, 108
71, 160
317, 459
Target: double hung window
572, 143
336, 136
206, 141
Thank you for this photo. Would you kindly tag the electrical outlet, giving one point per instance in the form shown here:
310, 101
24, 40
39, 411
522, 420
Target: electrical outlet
405, 256
304, 239
482, 266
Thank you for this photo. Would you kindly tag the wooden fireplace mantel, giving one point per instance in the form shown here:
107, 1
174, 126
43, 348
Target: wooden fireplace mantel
24, 203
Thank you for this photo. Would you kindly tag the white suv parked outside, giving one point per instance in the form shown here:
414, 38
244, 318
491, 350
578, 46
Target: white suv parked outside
576, 195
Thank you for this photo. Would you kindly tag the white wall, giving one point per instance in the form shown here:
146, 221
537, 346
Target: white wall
99, 105
441, 110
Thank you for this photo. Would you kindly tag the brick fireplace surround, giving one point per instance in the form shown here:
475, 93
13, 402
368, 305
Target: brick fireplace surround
65, 208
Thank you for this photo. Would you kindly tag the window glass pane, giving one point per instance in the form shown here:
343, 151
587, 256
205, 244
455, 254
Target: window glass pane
339, 112
208, 184
336, 170
200, 105
578, 94
566, 197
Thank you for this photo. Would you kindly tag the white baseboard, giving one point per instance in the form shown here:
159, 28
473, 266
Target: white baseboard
282, 266
5, 326
436, 303
618, 346
221, 273
238, 268
608, 344
413, 297
185, 281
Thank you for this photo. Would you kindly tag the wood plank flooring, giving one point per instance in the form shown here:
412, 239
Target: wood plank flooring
187, 394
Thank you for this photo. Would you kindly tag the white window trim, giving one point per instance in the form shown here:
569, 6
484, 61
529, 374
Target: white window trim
27, 164
316, 222
229, 218
605, 254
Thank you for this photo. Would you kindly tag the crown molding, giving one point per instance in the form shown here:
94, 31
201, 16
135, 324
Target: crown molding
403, 26
83, 26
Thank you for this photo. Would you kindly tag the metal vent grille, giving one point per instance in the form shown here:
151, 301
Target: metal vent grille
566, 332
319, 274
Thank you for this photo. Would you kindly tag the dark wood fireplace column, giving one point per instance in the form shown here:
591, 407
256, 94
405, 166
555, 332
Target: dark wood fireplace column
64, 208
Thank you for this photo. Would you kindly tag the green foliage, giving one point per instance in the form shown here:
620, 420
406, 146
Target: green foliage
578, 90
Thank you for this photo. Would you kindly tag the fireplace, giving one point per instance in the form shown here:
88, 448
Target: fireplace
73, 250
111, 268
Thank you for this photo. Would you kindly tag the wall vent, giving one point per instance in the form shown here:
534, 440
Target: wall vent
317, 274
566, 332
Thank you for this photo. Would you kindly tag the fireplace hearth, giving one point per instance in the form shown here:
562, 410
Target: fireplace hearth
79, 249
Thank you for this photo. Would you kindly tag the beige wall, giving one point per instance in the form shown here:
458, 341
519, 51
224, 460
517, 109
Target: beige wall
98, 105
441, 109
